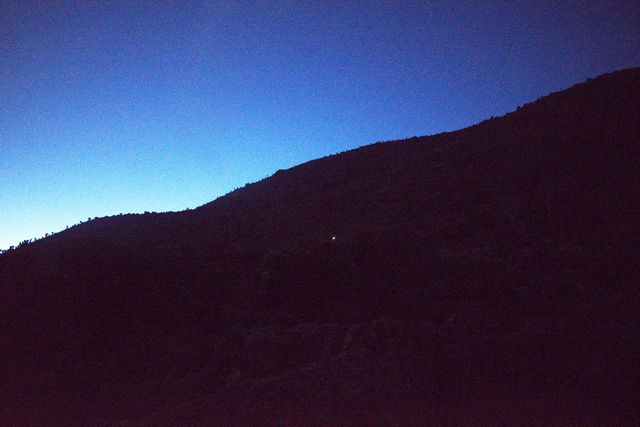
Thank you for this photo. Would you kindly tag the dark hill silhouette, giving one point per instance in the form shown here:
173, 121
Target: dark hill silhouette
484, 276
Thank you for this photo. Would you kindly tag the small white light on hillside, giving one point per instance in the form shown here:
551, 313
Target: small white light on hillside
333, 237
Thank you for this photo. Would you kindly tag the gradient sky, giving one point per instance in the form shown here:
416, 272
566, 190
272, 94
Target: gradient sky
127, 106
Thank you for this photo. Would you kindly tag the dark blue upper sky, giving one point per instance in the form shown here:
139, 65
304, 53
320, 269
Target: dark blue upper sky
126, 106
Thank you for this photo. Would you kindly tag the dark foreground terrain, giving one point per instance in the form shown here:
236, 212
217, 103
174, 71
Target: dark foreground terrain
484, 276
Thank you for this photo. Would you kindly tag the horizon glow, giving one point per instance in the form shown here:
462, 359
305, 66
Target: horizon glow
126, 107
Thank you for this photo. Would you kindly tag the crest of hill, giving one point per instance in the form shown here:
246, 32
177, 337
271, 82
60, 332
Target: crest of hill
605, 103
576, 116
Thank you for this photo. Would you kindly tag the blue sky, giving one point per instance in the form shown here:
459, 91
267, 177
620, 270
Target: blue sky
132, 106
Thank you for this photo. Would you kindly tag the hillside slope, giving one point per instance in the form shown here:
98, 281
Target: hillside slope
483, 276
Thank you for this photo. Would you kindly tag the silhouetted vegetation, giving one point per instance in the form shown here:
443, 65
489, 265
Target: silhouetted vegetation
483, 276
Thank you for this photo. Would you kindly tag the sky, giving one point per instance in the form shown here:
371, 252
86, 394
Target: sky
111, 107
